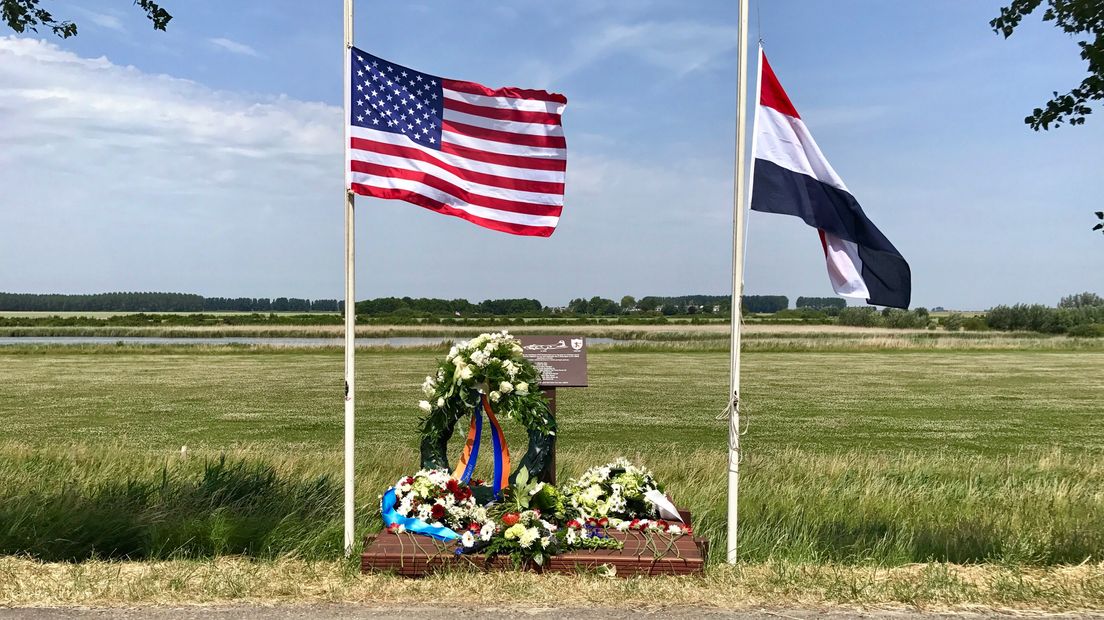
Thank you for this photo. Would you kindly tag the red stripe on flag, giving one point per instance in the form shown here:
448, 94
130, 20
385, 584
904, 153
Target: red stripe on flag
440, 207
514, 93
502, 114
771, 93
517, 161
525, 185
552, 142
479, 200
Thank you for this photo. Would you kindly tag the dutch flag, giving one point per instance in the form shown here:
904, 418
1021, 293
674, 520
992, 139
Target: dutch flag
792, 177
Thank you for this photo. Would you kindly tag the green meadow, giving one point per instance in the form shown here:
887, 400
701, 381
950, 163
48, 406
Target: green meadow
861, 460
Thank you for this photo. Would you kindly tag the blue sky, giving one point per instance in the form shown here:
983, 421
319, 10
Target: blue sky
208, 158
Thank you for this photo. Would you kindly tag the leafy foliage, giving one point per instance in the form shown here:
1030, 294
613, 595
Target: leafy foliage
1080, 18
821, 303
1043, 319
23, 15
1081, 300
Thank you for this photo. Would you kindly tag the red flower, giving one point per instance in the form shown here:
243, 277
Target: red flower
510, 518
438, 511
603, 522
574, 523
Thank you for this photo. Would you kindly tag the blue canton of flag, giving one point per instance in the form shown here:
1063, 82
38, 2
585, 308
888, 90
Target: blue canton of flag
397, 99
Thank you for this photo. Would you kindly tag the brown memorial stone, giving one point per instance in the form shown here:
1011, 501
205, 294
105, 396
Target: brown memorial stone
561, 360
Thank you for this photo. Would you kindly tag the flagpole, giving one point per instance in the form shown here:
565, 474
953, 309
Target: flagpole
350, 298
739, 200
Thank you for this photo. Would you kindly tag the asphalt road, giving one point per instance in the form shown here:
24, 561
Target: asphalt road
335, 612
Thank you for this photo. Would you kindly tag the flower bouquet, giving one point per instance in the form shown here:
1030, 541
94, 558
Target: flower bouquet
434, 497
618, 490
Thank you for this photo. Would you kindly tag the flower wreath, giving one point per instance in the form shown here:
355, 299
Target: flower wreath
487, 374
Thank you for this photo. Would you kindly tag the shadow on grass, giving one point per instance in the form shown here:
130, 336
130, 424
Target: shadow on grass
233, 507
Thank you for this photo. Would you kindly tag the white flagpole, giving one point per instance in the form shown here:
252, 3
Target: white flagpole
350, 298
738, 210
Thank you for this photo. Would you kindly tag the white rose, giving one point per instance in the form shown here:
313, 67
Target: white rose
425, 406
522, 388
440, 402
495, 396
505, 387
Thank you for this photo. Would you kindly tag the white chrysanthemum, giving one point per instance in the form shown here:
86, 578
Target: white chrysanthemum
425, 406
405, 506
468, 539
570, 538
528, 537
479, 358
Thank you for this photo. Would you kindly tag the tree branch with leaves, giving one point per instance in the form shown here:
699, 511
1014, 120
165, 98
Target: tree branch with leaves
1083, 19
24, 15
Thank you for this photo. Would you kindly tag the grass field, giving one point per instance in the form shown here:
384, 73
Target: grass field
857, 465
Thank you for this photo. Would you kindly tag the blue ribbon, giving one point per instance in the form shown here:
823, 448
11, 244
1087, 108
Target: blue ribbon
477, 416
411, 524
497, 441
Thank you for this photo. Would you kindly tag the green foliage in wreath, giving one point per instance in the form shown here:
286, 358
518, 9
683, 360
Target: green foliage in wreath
491, 364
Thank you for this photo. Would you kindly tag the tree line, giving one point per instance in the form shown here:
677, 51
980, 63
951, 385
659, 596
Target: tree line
158, 302
386, 306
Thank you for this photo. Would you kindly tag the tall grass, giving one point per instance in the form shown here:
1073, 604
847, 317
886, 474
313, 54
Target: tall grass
1037, 508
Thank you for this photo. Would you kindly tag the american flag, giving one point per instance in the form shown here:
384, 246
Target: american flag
495, 157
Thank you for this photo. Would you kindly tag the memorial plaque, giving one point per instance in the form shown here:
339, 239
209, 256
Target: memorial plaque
561, 360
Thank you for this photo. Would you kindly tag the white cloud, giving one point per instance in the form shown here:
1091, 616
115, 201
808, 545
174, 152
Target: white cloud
234, 47
106, 21
679, 47
115, 175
